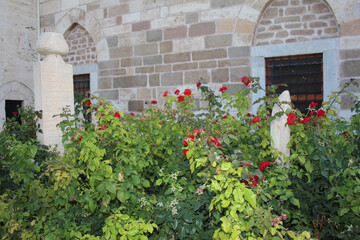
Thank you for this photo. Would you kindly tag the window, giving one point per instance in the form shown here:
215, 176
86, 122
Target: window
303, 75
82, 84
11, 109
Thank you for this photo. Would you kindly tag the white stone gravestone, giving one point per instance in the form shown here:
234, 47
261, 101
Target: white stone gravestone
53, 86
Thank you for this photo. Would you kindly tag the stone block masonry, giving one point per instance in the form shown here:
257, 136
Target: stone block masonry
161, 45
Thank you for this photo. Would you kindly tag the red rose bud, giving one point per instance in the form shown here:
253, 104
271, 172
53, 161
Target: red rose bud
153, 102
223, 89
165, 93
117, 115
198, 84
177, 91
88, 103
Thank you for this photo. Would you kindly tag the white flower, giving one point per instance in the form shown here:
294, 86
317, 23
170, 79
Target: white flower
174, 211
143, 203
173, 189
161, 170
180, 188
160, 204
173, 203
349, 228
142, 199
173, 176
199, 191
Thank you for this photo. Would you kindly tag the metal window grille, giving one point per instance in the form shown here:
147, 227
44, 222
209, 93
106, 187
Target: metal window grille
82, 83
302, 74
11, 108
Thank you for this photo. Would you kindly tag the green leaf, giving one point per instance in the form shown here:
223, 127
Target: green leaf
225, 203
158, 182
121, 196
250, 196
309, 167
343, 211
111, 187
228, 191
226, 225
226, 166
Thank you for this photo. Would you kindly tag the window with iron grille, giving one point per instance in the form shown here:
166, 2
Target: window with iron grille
303, 75
12, 108
81, 91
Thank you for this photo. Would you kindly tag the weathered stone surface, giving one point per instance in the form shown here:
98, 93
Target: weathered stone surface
236, 52
154, 35
217, 41
302, 32
350, 68
109, 94
152, 60
282, 34
148, 69
185, 66
112, 41
112, 72
280, 3
350, 54
233, 62
140, 26
295, 11
154, 80
225, 3
188, 44
144, 93
288, 19
172, 79
225, 26
320, 8
233, 88
136, 106
108, 64
220, 75
270, 13
178, 57
350, 28
174, 33
201, 29
118, 10
191, 18
105, 83
128, 62
317, 24
209, 54
166, 47
237, 73
121, 52
193, 77
146, 49
47, 20
163, 68
208, 64
244, 26
130, 81
52, 43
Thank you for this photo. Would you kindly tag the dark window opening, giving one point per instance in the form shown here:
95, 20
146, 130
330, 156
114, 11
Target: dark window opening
12, 109
82, 91
303, 75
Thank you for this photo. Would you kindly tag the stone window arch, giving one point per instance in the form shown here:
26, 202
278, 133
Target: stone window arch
288, 21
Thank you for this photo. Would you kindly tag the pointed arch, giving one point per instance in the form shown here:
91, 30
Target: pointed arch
91, 25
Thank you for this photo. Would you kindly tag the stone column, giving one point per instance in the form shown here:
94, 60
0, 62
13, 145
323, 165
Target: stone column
279, 131
53, 86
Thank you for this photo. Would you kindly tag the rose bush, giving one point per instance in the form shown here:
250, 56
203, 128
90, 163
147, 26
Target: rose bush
173, 172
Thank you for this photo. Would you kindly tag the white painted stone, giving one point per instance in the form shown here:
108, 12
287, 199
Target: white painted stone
118, 29
189, 7
352, 42
108, 3
131, 18
249, 14
67, 4
223, 13
164, 12
240, 39
168, 22
49, 7
53, 87
279, 130
107, 22
136, 6
82, 2
128, 39
52, 44
102, 51
188, 44
345, 10
150, 14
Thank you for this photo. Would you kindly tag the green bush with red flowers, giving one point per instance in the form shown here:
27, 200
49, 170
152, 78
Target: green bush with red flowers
174, 172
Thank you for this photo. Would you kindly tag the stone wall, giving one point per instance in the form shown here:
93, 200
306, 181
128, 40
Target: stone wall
145, 47
18, 35
286, 21
81, 46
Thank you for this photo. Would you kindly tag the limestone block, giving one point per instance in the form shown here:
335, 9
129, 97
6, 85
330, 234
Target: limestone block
50, 44
250, 14
189, 7
219, 14
279, 131
188, 44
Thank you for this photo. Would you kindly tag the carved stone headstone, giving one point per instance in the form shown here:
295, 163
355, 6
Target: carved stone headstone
279, 131
53, 86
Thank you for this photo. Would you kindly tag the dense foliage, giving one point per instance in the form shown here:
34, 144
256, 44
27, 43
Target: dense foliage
169, 173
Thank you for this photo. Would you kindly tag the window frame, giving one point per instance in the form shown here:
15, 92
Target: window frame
328, 47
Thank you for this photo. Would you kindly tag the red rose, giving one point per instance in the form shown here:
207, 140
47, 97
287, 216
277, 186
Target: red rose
224, 117
248, 114
132, 114
246, 182
15, 113
254, 183
88, 103
79, 139
185, 152
73, 198
198, 84
153, 102
305, 120
102, 127
177, 91
187, 92
180, 98
117, 115
216, 142
255, 120
188, 137
321, 113
291, 118
222, 89
246, 81
196, 131
313, 104
165, 93
264, 165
